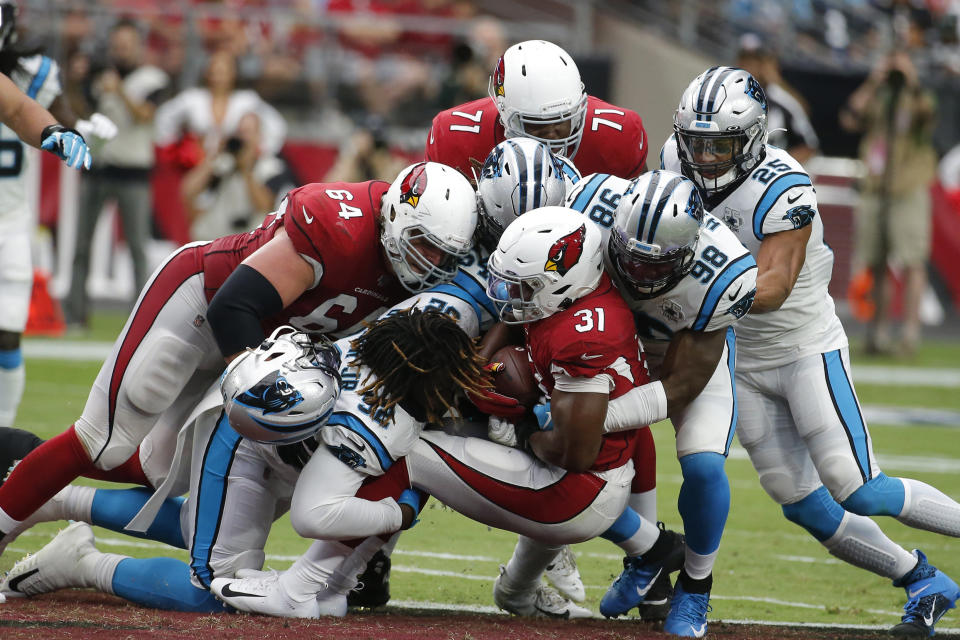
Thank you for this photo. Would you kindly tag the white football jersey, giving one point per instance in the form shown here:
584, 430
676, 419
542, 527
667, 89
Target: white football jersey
39, 77
779, 196
716, 293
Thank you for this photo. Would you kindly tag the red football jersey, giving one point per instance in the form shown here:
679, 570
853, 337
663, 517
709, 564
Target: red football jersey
334, 224
613, 142
596, 335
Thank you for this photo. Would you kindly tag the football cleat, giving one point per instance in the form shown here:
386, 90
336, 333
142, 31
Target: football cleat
678, 549
373, 585
263, 592
930, 594
631, 587
56, 566
541, 602
563, 574
656, 604
688, 613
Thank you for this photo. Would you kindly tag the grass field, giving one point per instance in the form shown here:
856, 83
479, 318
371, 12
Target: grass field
769, 569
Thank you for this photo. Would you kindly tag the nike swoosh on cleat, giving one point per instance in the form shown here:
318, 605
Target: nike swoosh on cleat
550, 614
227, 592
643, 592
16, 581
699, 633
914, 594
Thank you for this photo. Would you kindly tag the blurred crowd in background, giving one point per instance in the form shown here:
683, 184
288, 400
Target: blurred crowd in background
249, 97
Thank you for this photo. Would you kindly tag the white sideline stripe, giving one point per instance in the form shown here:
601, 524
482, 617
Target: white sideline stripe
927, 464
809, 559
899, 376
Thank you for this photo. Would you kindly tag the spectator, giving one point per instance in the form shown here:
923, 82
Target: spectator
896, 116
787, 120
366, 155
126, 91
213, 112
232, 190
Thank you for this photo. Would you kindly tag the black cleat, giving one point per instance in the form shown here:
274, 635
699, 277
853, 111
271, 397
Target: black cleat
673, 562
656, 605
373, 587
15, 444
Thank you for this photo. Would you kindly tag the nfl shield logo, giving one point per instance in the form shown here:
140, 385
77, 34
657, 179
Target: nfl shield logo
671, 310
732, 218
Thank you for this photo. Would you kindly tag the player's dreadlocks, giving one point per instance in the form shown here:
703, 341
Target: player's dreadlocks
420, 356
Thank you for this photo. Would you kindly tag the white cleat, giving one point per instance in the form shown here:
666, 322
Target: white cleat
263, 592
542, 602
56, 566
563, 574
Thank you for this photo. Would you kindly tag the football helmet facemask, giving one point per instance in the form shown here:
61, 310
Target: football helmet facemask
546, 259
428, 215
536, 84
721, 128
284, 390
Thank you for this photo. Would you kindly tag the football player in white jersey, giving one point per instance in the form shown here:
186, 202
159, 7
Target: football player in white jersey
800, 419
28, 87
687, 279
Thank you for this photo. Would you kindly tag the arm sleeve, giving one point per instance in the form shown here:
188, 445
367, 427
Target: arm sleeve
238, 307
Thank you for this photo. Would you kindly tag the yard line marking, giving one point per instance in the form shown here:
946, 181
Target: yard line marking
809, 559
924, 464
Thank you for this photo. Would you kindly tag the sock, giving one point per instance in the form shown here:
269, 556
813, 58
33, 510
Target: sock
130, 472
695, 585
44, 472
698, 567
528, 562
72, 503
344, 577
635, 535
926, 507
12, 379
114, 508
160, 583
644, 464
704, 501
860, 542
645, 504
391, 544
311, 572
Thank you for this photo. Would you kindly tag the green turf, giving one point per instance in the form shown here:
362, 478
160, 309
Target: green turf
768, 568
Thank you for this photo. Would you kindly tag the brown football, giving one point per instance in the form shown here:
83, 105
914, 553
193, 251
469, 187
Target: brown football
516, 380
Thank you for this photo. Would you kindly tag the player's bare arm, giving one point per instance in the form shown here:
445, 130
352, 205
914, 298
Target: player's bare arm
779, 262
688, 365
27, 118
574, 441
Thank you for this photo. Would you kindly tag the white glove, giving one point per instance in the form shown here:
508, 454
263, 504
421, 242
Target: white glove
98, 129
502, 431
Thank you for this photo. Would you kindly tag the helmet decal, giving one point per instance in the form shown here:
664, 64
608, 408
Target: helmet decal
755, 91
498, 76
566, 252
273, 394
414, 185
695, 206
493, 166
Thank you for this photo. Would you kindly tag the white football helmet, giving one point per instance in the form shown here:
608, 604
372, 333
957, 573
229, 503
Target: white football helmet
655, 231
721, 127
284, 390
519, 175
538, 83
429, 215
545, 260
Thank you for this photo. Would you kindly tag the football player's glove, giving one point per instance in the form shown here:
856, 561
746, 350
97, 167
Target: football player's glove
493, 403
68, 144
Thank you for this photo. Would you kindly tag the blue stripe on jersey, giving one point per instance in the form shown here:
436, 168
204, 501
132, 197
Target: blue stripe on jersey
772, 194
39, 78
848, 410
589, 190
211, 495
476, 291
354, 424
732, 367
457, 292
719, 285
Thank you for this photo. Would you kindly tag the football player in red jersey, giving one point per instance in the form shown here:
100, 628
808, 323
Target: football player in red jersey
536, 92
330, 256
547, 274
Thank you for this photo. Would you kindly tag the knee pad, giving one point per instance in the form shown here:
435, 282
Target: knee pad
156, 376
841, 475
818, 513
779, 485
880, 496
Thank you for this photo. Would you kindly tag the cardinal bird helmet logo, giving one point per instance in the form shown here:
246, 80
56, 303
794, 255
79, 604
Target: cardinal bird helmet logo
414, 185
566, 252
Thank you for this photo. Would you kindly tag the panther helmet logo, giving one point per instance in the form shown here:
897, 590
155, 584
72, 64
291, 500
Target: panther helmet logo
273, 394
565, 253
414, 185
498, 76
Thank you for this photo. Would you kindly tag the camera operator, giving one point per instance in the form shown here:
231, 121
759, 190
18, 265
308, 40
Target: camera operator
127, 92
896, 115
231, 190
